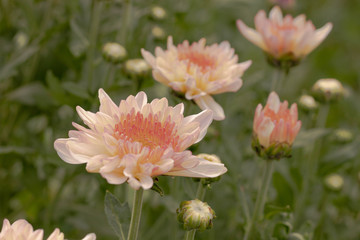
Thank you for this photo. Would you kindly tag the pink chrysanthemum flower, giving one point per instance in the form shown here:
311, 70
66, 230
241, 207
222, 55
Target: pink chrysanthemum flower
198, 71
284, 39
136, 141
22, 230
275, 128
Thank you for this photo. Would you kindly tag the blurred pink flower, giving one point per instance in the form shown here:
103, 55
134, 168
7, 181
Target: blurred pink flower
284, 37
22, 230
136, 141
198, 71
275, 127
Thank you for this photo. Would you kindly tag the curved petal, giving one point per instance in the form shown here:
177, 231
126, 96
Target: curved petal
207, 102
204, 119
90, 236
251, 35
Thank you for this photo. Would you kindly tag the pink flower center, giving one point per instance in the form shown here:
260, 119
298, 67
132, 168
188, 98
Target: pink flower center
202, 60
149, 131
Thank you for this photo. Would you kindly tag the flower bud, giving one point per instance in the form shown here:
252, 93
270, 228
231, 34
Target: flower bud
137, 67
334, 182
158, 13
158, 33
307, 103
114, 52
328, 90
195, 214
295, 236
343, 136
275, 128
21, 40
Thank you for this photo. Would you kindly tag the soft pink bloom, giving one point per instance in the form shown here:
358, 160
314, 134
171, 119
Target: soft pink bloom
136, 141
276, 124
284, 36
198, 71
22, 230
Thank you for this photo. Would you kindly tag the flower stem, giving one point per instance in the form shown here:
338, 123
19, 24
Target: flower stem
260, 199
201, 191
190, 235
94, 28
135, 215
123, 34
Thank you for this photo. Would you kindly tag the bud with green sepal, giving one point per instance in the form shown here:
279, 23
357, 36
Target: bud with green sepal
195, 215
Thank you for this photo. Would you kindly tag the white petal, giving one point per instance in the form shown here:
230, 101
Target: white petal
204, 119
251, 35
203, 169
264, 131
207, 102
64, 152
90, 236
273, 102
149, 58
107, 106
141, 99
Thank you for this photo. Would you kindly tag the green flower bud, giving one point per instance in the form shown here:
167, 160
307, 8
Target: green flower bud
158, 33
158, 13
307, 103
195, 214
295, 236
334, 182
137, 67
114, 52
343, 136
328, 90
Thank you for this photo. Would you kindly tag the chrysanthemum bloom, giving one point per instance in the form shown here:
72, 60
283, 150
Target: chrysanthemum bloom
285, 40
275, 128
22, 230
198, 71
328, 90
195, 214
136, 141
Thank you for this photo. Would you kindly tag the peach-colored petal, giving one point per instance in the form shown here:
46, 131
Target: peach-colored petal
207, 102
282, 37
135, 141
273, 102
197, 70
251, 35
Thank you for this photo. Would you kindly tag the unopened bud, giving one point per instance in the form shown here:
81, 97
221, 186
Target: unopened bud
343, 136
295, 236
307, 103
328, 90
158, 33
21, 40
334, 182
137, 67
114, 52
158, 13
195, 214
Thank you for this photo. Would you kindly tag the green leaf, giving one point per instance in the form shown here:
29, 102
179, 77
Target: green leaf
76, 90
285, 194
32, 94
282, 230
118, 215
9, 69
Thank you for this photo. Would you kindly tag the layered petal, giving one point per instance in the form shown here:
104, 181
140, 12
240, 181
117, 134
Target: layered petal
284, 37
136, 141
198, 71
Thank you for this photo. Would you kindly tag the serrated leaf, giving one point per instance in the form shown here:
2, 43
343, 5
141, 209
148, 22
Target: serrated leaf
118, 215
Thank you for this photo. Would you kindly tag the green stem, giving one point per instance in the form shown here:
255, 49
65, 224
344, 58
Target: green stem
94, 29
123, 34
311, 164
190, 235
275, 80
201, 191
260, 199
135, 215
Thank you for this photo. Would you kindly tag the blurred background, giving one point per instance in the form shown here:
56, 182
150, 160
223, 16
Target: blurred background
51, 60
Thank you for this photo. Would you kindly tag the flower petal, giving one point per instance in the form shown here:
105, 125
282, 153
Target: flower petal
207, 102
